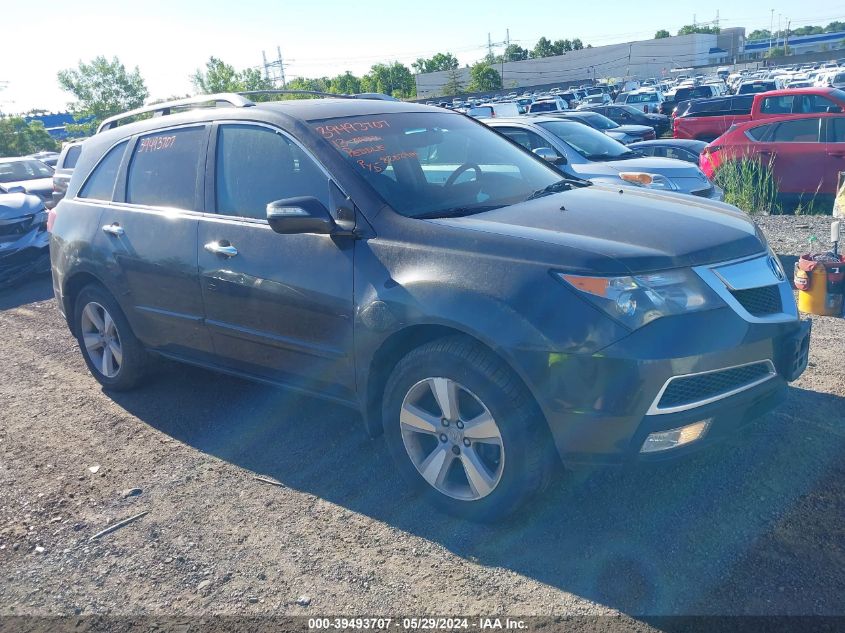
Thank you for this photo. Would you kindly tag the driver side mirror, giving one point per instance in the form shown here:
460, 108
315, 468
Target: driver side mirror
304, 214
548, 154
15, 189
833, 109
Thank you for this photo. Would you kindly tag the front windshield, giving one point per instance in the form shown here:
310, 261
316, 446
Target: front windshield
590, 143
17, 170
426, 164
629, 109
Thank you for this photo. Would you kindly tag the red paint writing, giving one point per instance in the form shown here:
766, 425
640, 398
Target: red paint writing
383, 162
350, 127
156, 143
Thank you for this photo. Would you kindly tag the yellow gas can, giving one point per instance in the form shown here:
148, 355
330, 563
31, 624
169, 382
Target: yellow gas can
819, 288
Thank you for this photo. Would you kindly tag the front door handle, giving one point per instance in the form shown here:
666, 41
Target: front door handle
113, 229
221, 248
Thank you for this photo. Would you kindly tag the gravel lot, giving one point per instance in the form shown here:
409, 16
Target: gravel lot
751, 527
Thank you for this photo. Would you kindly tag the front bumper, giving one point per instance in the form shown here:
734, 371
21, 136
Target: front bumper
24, 256
600, 407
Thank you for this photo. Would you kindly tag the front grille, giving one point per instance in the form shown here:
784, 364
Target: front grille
690, 389
11, 230
760, 301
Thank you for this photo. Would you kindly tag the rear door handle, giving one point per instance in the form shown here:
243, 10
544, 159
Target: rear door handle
837, 154
221, 248
113, 229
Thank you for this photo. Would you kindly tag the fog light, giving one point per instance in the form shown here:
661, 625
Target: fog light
664, 440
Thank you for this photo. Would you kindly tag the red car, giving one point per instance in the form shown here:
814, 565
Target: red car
806, 151
708, 119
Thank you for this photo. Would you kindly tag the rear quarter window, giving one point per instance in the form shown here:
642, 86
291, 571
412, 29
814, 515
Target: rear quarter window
761, 133
100, 184
72, 156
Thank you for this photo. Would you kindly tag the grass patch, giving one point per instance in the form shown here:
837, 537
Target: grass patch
749, 185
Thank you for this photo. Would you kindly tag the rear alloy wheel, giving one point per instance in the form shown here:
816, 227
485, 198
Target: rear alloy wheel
113, 355
463, 429
101, 339
452, 439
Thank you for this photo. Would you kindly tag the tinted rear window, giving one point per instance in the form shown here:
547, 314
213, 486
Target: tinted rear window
544, 106
646, 97
72, 156
165, 169
100, 184
757, 87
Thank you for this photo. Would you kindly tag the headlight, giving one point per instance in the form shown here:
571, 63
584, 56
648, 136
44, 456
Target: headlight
652, 181
640, 299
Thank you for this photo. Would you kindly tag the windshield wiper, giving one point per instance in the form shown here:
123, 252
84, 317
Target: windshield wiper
625, 156
456, 212
564, 184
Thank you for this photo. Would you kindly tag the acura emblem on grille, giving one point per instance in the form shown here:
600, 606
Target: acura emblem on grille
775, 268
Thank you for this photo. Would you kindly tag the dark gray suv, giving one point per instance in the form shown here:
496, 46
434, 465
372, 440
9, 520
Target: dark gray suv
488, 314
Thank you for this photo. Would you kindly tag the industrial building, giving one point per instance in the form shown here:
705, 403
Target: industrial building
646, 58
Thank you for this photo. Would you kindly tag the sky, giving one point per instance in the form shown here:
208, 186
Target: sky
169, 39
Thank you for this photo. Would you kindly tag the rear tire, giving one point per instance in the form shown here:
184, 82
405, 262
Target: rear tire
113, 355
497, 451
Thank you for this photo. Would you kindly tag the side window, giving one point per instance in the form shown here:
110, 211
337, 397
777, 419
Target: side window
256, 165
814, 103
777, 105
166, 168
838, 131
100, 184
529, 140
798, 131
72, 156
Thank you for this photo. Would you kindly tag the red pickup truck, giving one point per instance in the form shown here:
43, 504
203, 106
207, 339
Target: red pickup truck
708, 119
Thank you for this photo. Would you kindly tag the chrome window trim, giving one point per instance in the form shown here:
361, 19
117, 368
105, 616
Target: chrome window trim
709, 273
655, 410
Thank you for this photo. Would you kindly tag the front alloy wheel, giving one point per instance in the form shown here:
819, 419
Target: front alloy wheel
452, 439
464, 431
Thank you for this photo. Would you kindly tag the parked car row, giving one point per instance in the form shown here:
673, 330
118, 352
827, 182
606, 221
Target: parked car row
493, 314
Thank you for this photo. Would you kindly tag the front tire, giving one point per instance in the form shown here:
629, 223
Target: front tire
463, 429
113, 355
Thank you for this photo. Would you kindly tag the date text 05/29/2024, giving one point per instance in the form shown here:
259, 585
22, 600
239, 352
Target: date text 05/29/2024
417, 624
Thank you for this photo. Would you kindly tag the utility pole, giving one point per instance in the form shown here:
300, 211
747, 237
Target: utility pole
489, 47
786, 39
281, 66
771, 31
266, 67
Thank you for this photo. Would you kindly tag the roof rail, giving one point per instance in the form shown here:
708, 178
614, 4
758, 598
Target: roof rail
313, 93
162, 109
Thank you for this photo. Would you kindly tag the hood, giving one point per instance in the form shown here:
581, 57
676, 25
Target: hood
610, 230
42, 187
15, 205
634, 130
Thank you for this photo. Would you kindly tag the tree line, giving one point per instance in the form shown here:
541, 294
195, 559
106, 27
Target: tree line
765, 34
